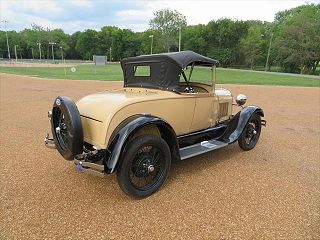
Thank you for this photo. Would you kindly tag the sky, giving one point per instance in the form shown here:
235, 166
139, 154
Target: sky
78, 15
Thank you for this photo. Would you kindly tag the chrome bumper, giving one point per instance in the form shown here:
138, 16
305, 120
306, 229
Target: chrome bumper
48, 142
88, 167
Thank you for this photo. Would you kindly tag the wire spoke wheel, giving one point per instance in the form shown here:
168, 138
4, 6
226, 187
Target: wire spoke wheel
145, 165
61, 129
251, 133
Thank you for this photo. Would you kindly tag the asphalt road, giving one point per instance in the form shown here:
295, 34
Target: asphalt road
271, 192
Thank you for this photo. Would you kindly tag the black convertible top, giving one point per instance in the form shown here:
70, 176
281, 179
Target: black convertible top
165, 69
183, 59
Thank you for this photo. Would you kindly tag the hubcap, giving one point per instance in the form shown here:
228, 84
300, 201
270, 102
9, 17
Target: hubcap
252, 132
61, 129
147, 167
150, 168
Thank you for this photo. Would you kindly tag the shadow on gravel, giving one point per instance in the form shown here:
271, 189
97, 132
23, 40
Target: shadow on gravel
203, 162
108, 186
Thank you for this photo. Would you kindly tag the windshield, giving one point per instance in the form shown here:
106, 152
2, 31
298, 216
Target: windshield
199, 74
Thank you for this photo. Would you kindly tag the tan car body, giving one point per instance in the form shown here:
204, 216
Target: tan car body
185, 112
159, 116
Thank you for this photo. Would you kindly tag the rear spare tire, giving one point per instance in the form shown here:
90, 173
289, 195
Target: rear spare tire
66, 127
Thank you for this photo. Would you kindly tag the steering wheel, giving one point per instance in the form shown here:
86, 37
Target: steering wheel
189, 89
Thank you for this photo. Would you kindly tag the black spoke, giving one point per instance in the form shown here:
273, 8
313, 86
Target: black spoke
146, 167
61, 130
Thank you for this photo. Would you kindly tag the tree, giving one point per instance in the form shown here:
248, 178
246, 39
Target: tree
252, 46
194, 39
130, 44
108, 40
168, 22
295, 35
299, 38
87, 44
72, 52
223, 40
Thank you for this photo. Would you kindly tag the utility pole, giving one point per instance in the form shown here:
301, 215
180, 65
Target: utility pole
179, 39
151, 36
39, 44
52, 43
15, 52
267, 61
61, 54
5, 28
110, 54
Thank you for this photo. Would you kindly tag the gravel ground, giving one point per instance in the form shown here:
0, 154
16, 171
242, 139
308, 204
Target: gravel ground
271, 192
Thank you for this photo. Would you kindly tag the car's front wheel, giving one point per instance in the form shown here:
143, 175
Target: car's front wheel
250, 136
145, 165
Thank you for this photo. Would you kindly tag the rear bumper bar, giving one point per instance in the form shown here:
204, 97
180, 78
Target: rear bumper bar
88, 167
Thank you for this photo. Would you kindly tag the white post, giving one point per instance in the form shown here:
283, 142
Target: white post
52, 43
5, 28
179, 39
39, 44
61, 54
151, 36
15, 52
267, 61
52, 53
110, 60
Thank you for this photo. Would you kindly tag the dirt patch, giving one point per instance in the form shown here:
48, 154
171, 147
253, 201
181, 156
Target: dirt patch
271, 192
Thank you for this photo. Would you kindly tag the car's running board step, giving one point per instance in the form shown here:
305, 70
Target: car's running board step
199, 148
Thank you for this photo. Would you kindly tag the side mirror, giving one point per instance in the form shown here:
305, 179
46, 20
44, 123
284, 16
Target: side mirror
241, 99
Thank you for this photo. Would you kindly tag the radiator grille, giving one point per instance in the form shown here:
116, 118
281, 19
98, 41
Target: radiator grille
223, 109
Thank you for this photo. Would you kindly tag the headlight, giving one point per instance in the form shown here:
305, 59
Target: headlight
241, 99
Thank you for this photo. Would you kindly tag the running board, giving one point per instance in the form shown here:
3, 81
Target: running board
199, 148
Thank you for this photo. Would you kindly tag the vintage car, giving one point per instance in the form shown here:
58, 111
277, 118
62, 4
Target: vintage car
159, 116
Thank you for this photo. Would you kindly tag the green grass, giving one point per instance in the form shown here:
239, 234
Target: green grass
267, 79
114, 72
83, 72
228, 76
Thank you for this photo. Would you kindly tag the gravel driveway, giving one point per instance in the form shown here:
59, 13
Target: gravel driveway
271, 192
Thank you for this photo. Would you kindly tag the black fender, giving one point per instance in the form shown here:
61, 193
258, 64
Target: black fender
128, 129
238, 123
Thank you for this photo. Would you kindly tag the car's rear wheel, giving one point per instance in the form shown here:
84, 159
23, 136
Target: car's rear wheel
144, 166
250, 136
66, 127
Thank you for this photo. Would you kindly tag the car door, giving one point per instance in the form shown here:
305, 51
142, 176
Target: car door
204, 112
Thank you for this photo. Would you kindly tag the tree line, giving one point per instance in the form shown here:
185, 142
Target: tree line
291, 43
